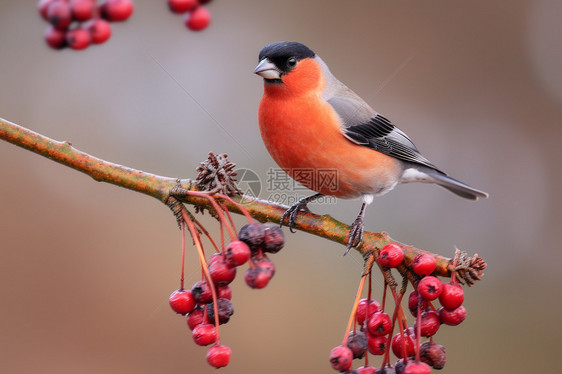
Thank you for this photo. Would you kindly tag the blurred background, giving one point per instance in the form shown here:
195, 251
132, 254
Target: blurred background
86, 268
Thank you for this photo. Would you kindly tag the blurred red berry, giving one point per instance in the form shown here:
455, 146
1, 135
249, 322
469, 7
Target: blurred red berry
225, 309
379, 324
261, 273
195, 318
181, 301
182, 6
430, 323
221, 273
224, 292
376, 344
204, 334
43, 5
99, 29
341, 358
413, 367
452, 295
409, 339
56, 39
116, 10
273, 239
197, 20
452, 317
391, 256
202, 293
361, 314
366, 370
237, 253
424, 264
78, 38
218, 356
357, 342
413, 303
202, 2
82, 10
433, 354
430, 288
252, 234
59, 14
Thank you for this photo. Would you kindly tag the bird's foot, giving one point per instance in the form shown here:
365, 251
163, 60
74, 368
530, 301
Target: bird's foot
292, 212
355, 234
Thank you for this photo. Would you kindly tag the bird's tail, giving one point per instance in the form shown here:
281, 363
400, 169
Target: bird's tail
428, 175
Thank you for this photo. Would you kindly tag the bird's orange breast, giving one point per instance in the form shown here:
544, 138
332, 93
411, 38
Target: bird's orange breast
303, 134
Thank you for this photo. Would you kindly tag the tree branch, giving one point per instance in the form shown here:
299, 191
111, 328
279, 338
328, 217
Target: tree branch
159, 187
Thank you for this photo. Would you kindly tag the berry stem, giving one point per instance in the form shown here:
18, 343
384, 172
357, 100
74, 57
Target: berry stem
204, 268
229, 216
182, 256
354, 309
239, 206
418, 328
218, 209
204, 231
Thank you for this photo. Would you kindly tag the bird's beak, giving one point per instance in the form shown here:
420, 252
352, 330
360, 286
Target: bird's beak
267, 69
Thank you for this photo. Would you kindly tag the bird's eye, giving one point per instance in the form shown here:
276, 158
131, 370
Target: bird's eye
292, 62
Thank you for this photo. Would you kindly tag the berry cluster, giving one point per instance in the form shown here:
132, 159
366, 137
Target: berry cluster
208, 303
197, 17
79, 23
373, 328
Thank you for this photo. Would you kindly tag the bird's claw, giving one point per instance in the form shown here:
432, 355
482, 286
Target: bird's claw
291, 213
355, 234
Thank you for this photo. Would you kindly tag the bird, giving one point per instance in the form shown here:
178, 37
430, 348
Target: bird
310, 121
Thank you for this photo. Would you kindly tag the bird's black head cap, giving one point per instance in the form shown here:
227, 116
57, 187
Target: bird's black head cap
285, 55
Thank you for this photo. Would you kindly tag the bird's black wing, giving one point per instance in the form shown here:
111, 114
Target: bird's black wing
380, 134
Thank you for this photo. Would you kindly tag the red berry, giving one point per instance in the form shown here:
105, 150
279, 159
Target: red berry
361, 314
430, 288
237, 253
260, 275
202, 293
357, 342
430, 323
252, 234
376, 344
56, 39
341, 358
198, 19
413, 367
433, 354
43, 5
409, 338
218, 356
225, 309
452, 317
391, 256
424, 264
82, 10
195, 318
366, 370
99, 29
182, 6
202, 2
273, 239
452, 295
116, 10
221, 273
215, 257
181, 301
379, 324
399, 366
204, 334
59, 14
224, 292
78, 39
413, 303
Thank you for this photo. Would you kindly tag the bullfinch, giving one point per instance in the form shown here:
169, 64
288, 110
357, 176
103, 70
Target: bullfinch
324, 136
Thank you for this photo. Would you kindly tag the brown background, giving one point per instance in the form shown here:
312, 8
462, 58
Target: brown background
86, 268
